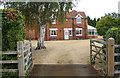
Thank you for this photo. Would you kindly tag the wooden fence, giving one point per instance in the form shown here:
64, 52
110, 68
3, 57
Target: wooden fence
24, 59
102, 54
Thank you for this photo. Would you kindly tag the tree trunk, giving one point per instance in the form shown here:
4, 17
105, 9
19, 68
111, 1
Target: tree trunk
40, 44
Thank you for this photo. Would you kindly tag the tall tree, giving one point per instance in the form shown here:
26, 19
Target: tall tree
92, 22
106, 23
43, 12
113, 14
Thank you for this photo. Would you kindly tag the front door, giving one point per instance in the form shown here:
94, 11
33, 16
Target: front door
66, 34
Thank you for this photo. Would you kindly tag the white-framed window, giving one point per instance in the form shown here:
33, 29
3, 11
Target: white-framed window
54, 21
70, 32
78, 20
78, 31
53, 32
95, 32
92, 32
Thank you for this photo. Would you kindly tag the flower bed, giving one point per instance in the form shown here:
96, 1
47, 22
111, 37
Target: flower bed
79, 37
53, 38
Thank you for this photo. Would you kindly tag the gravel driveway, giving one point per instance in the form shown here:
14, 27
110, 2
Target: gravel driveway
62, 52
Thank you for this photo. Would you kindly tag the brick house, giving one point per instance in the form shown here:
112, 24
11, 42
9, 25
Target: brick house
75, 27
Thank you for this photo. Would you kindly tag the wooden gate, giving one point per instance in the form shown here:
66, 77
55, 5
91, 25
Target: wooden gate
103, 56
24, 60
98, 55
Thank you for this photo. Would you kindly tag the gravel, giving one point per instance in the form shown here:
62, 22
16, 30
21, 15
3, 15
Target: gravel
62, 52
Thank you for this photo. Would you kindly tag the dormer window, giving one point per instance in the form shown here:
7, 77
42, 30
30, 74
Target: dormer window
78, 20
54, 21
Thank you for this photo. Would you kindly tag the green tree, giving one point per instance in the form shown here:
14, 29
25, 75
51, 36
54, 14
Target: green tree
113, 14
113, 33
43, 12
92, 22
106, 23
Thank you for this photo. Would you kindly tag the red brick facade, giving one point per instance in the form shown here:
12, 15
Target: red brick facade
70, 30
70, 24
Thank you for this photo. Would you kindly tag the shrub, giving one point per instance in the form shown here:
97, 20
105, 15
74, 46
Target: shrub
114, 33
106, 23
13, 28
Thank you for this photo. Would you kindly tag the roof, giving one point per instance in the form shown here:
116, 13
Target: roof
90, 27
74, 13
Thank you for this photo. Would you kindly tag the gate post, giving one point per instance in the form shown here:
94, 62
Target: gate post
91, 51
20, 58
111, 42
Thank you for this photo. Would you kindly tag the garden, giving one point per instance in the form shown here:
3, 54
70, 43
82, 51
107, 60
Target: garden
13, 30
109, 27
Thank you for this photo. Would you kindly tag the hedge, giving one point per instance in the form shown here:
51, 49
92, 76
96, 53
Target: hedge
13, 29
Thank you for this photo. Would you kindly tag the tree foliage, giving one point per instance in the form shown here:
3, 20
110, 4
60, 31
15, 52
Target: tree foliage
13, 28
106, 23
42, 12
92, 22
113, 14
48, 11
113, 33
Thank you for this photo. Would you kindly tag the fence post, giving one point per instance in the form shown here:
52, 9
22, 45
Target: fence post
20, 58
91, 51
111, 42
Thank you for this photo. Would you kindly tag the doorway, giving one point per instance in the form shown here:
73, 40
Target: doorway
66, 34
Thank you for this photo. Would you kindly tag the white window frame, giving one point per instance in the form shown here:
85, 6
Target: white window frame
92, 30
78, 19
53, 29
54, 21
79, 30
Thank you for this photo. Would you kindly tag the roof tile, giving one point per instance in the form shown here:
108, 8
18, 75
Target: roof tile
74, 13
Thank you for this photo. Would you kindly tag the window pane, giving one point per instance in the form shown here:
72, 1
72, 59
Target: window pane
80, 32
92, 32
77, 32
53, 32
54, 21
70, 32
89, 32
78, 20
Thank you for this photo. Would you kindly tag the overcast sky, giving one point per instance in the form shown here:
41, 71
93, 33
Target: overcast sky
97, 8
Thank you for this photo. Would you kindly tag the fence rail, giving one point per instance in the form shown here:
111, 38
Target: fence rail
24, 58
117, 56
8, 61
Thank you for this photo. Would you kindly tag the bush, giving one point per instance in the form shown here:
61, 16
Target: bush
114, 33
13, 29
106, 23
